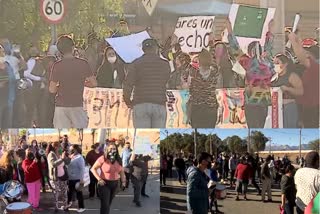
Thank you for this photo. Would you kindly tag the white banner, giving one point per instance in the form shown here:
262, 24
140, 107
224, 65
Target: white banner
193, 32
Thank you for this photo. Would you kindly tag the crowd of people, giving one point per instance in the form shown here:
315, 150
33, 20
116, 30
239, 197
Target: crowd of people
298, 187
40, 89
60, 167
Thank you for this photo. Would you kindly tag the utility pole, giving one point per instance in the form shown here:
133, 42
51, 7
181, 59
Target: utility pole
270, 145
167, 139
300, 144
249, 139
195, 143
210, 144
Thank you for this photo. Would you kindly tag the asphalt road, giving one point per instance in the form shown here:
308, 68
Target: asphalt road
173, 201
122, 204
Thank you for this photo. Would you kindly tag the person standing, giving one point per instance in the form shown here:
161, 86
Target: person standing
288, 190
68, 78
197, 190
126, 156
32, 178
232, 166
266, 178
4, 86
181, 168
170, 165
307, 181
139, 174
110, 165
58, 174
163, 170
148, 77
91, 158
146, 159
76, 169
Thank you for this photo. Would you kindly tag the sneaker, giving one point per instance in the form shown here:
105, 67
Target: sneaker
81, 210
145, 195
138, 204
69, 205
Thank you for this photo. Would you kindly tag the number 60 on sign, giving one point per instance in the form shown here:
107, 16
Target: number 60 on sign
53, 10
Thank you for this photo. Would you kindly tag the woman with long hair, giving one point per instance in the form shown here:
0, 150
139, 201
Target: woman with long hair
292, 87
111, 73
8, 167
110, 166
58, 174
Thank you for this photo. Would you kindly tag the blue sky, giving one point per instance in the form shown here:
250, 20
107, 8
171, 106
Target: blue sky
279, 136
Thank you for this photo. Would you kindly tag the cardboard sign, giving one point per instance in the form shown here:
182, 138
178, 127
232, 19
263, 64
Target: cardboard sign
193, 32
149, 5
142, 145
250, 24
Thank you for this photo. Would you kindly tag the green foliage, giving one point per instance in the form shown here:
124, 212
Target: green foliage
21, 21
315, 145
23, 132
258, 141
236, 144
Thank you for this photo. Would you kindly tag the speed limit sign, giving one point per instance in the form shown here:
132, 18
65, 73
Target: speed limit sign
53, 10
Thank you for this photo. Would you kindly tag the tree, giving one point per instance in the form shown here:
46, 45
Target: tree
235, 144
258, 141
314, 145
23, 132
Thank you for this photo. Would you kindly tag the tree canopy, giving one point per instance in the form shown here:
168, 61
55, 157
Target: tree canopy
314, 145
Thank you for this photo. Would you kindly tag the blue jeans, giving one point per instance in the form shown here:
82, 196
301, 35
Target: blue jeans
148, 115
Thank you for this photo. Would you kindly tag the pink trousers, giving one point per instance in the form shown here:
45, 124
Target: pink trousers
34, 193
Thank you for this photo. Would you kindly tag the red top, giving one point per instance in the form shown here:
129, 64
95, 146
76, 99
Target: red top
310, 80
243, 172
31, 171
109, 171
92, 157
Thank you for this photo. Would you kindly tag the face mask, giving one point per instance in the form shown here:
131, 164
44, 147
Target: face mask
209, 165
112, 156
277, 68
112, 59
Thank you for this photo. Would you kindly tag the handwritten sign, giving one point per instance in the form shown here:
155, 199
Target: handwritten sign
193, 32
149, 5
142, 145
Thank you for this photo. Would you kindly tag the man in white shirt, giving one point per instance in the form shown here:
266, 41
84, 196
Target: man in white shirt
307, 181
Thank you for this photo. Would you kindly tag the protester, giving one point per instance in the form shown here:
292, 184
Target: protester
4, 87
91, 158
58, 174
138, 177
148, 76
254, 168
76, 169
32, 178
232, 166
181, 168
69, 77
291, 86
309, 57
225, 166
111, 73
170, 166
8, 168
213, 174
126, 156
197, 190
91, 53
307, 181
258, 73
203, 105
146, 159
163, 170
243, 174
288, 190
110, 165
266, 178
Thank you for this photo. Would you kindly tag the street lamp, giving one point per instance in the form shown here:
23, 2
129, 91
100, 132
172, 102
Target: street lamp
269, 138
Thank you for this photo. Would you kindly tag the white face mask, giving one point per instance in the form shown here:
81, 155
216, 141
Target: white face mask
277, 68
112, 59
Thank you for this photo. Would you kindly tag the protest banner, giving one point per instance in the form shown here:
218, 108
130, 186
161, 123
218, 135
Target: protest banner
129, 48
106, 109
193, 32
142, 145
250, 24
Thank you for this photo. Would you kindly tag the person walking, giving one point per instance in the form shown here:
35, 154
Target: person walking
288, 190
307, 181
197, 190
76, 169
232, 166
58, 174
266, 178
243, 174
68, 78
32, 178
91, 158
163, 170
126, 156
110, 166
148, 77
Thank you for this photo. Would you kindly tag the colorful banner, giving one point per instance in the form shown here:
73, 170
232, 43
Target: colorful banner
106, 109
250, 23
193, 32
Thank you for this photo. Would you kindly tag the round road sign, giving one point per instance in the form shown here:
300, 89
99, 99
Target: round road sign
53, 10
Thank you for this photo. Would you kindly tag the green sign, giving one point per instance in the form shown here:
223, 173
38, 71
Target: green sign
250, 21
